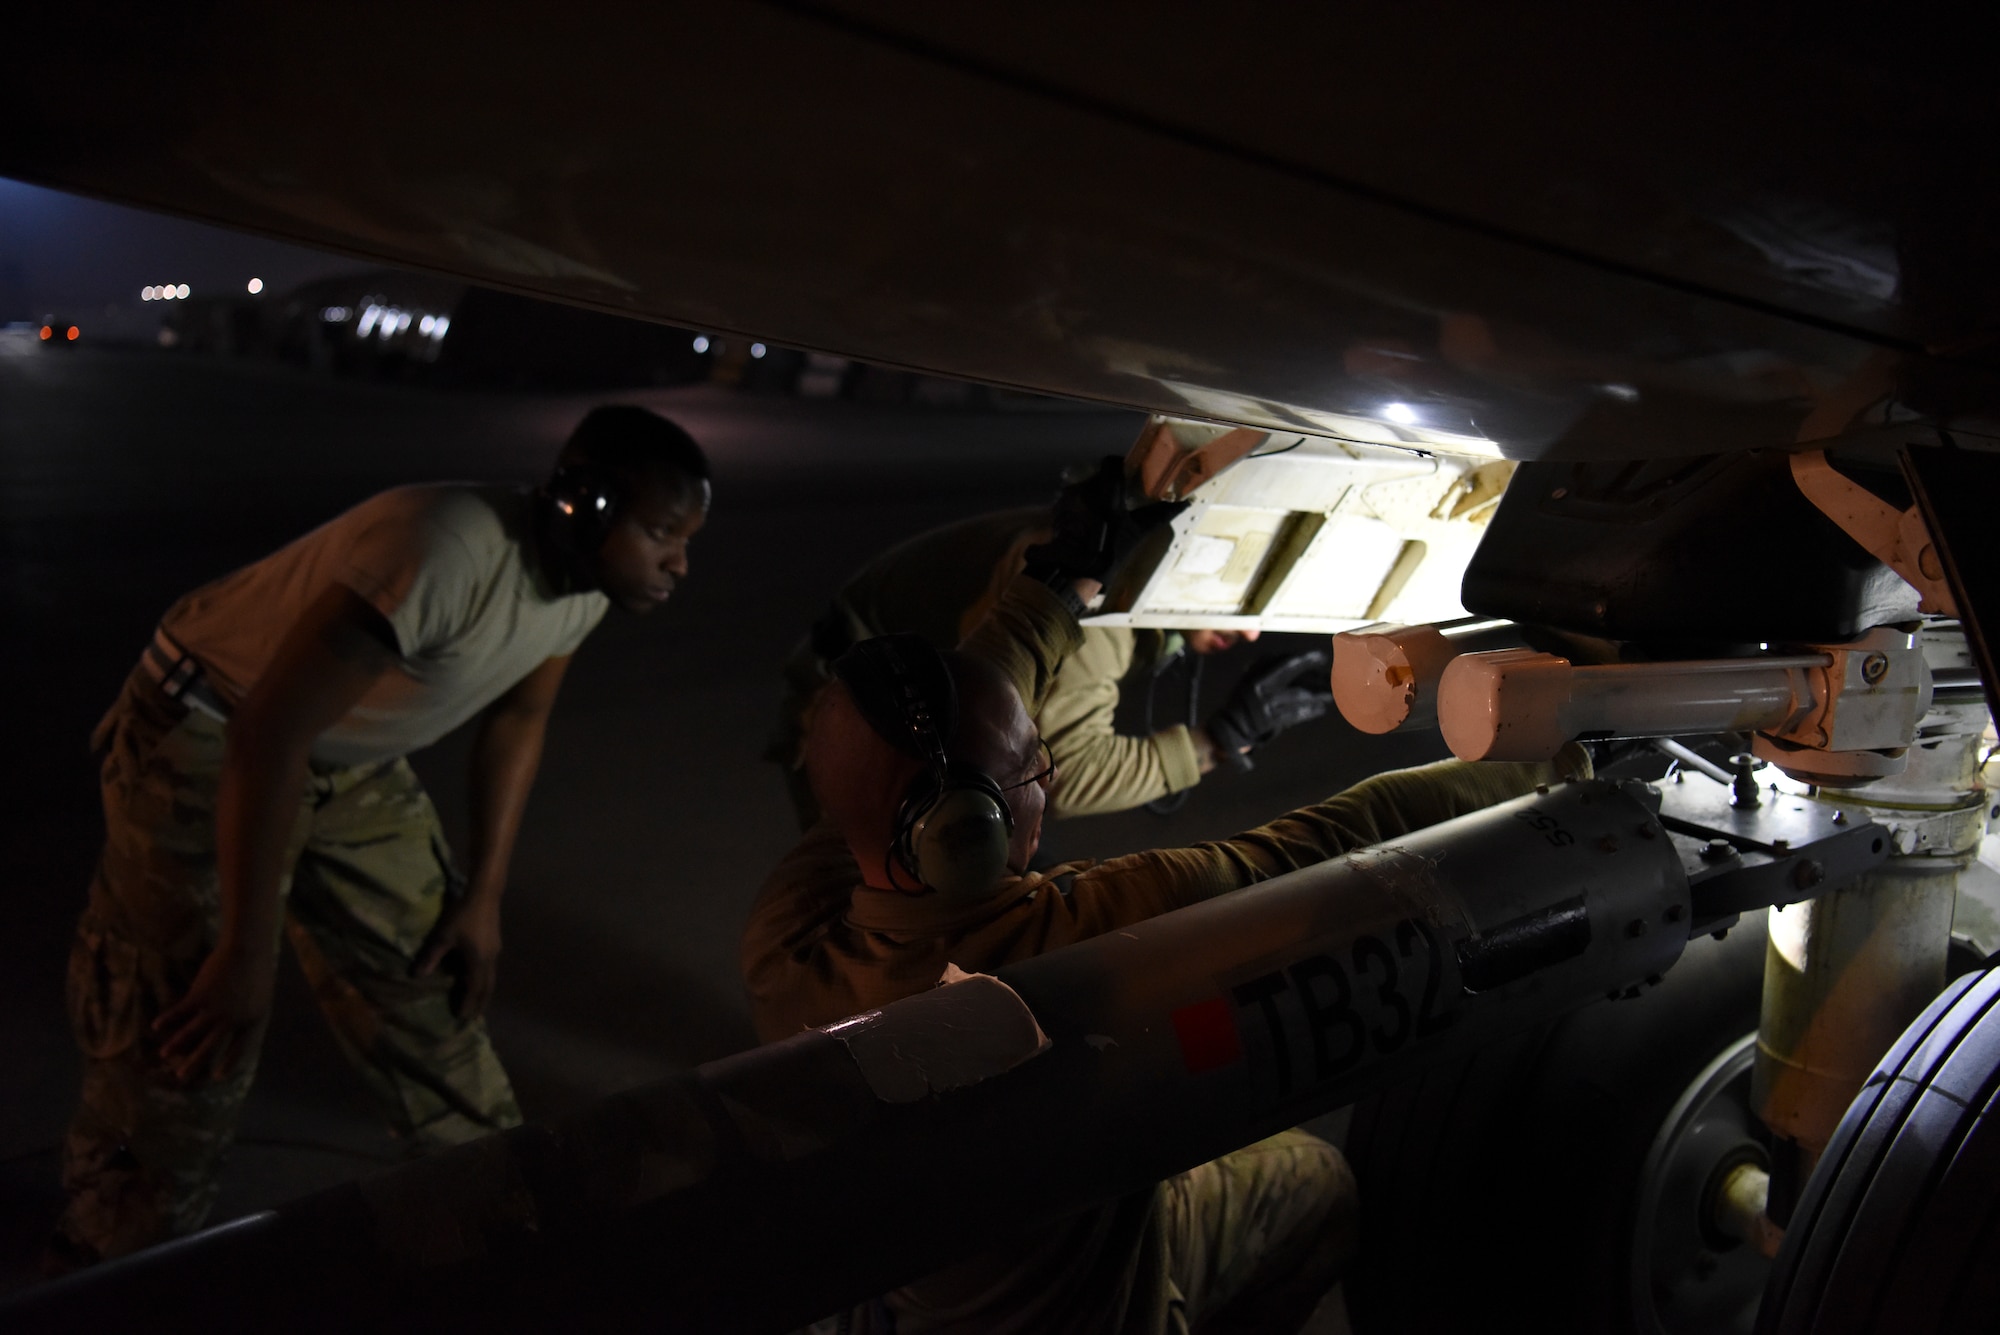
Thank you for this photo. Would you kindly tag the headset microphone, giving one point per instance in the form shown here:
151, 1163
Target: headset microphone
953, 829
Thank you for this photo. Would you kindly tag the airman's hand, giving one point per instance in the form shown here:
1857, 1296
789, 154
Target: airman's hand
469, 928
208, 1031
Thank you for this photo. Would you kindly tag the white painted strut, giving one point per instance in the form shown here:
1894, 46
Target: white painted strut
1517, 704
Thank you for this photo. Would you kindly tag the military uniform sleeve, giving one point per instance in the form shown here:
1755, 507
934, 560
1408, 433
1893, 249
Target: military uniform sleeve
1098, 770
1130, 889
785, 973
1027, 635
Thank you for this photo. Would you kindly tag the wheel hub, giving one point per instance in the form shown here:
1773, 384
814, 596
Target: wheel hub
1689, 1275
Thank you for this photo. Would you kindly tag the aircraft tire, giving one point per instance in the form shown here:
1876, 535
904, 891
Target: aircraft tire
1898, 1228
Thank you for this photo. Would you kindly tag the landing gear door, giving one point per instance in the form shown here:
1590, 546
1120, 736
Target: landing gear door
1292, 532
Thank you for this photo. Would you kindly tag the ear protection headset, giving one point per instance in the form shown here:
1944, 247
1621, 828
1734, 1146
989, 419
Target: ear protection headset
953, 828
580, 502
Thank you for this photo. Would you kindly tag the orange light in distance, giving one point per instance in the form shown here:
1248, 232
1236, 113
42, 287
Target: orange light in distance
72, 333
47, 333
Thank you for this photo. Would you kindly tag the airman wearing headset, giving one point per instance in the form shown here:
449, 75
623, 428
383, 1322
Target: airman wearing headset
934, 781
941, 583
254, 779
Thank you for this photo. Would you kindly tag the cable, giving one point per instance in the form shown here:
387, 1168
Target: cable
1272, 454
1172, 802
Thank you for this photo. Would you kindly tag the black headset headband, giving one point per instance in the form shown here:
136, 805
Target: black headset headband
903, 687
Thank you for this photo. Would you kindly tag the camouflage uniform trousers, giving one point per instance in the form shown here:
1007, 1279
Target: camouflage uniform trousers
1254, 1239
369, 874
1249, 1242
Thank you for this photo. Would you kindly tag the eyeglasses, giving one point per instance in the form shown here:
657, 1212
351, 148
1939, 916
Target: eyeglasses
1041, 776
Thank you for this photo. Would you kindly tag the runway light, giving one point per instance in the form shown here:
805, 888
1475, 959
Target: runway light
368, 319
181, 291
443, 323
425, 325
47, 333
1400, 412
701, 342
756, 349
256, 285
146, 294
72, 333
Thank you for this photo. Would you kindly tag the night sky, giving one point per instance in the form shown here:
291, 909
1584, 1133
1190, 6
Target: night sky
84, 259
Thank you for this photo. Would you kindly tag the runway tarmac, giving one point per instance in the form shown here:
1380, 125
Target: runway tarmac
128, 478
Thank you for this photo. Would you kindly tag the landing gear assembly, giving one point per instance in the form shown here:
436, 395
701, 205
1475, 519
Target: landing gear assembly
1804, 1115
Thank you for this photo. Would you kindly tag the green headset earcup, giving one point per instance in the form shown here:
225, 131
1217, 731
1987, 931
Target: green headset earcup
960, 844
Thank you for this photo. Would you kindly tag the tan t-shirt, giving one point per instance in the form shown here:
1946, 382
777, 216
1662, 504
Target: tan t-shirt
448, 565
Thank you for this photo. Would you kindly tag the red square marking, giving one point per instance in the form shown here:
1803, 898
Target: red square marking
1207, 1031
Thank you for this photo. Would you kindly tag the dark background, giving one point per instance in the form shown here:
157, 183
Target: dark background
129, 476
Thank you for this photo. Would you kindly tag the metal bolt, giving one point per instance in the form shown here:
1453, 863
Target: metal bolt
1674, 913
1636, 927
1646, 832
1652, 980
1719, 933
1743, 792
1558, 493
1542, 789
1808, 873
1840, 817
1780, 845
1874, 668
1715, 850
